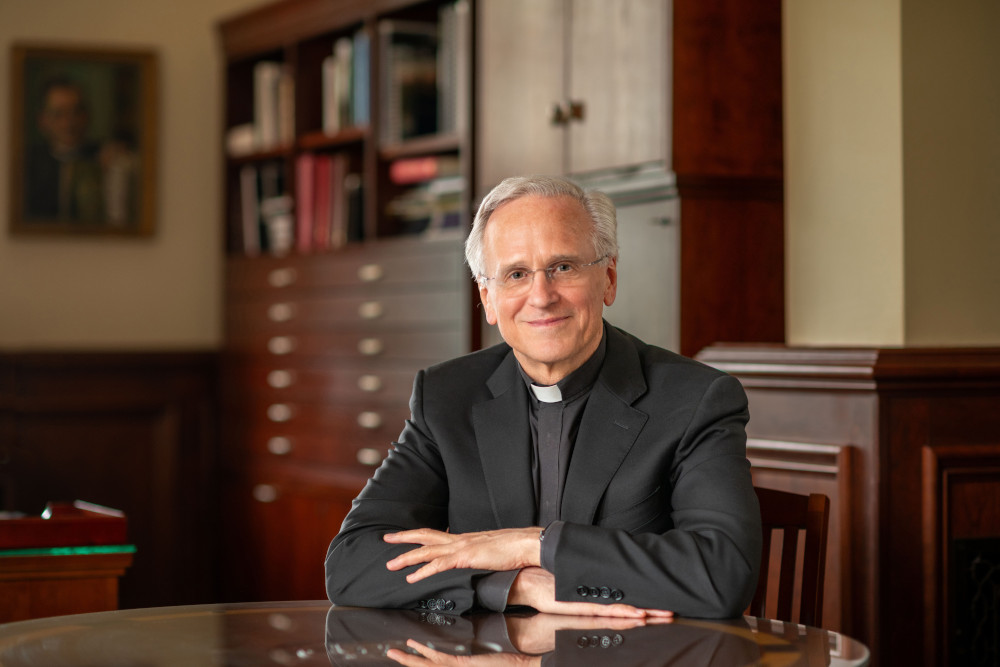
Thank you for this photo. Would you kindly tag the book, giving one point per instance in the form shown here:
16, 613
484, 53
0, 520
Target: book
266, 77
361, 79
249, 215
305, 209
406, 171
409, 106
323, 179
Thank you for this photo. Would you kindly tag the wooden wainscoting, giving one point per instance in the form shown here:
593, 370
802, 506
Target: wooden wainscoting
133, 431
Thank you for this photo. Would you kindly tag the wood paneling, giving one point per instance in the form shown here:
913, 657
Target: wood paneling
728, 158
922, 475
132, 431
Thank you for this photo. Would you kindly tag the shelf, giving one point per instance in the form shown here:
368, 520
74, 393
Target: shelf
434, 143
322, 141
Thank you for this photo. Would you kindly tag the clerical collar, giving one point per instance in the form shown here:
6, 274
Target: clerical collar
574, 384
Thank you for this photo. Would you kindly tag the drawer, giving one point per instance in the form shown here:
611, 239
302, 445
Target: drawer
322, 383
385, 264
342, 436
421, 347
351, 311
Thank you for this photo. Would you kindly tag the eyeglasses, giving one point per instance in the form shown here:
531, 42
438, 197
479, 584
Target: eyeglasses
518, 280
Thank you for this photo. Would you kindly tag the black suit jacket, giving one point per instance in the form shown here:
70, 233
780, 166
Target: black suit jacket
659, 506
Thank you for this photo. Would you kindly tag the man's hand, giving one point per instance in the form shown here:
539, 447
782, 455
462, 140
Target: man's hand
497, 550
536, 588
428, 656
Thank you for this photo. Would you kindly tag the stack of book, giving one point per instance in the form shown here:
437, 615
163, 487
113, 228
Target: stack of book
330, 202
346, 78
430, 201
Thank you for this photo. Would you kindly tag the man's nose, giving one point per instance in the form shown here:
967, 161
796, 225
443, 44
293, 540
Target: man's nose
543, 288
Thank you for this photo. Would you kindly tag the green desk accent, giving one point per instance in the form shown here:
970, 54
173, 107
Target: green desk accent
70, 551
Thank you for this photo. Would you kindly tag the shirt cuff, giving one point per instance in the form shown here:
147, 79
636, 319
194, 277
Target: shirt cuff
492, 589
548, 552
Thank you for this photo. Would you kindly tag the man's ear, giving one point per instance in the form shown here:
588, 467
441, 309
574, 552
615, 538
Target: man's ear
485, 297
611, 289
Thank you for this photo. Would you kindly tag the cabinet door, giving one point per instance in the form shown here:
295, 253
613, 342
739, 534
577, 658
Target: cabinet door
521, 61
619, 69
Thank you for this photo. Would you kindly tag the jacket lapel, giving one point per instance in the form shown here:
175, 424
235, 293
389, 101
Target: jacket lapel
609, 428
504, 439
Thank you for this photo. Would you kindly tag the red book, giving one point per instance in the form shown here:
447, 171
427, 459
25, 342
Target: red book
305, 188
322, 210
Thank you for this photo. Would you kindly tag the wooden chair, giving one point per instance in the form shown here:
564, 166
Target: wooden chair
792, 513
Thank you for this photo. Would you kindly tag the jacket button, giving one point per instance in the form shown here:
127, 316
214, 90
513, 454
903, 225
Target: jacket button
594, 592
449, 605
581, 591
617, 595
605, 592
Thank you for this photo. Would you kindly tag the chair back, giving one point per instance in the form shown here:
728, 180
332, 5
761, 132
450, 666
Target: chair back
790, 514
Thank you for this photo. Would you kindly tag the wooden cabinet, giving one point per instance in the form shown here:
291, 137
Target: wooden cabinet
340, 284
568, 86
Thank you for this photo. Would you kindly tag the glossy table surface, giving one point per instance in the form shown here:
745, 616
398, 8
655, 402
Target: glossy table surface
305, 634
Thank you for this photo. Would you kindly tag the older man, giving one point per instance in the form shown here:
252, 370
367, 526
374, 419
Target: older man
573, 468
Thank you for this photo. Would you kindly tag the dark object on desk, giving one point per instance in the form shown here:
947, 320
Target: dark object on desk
65, 525
793, 513
66, 561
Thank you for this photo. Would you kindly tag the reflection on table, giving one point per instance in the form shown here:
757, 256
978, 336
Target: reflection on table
308, 634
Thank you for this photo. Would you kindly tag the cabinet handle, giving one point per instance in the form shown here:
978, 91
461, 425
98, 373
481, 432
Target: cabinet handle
370, 347
281, 345
279, 412
369, 456
370, 310
280, 379
265, 493
279, 445
369, 419
369, 383
370, 273
280, 312
282, 277
564, 112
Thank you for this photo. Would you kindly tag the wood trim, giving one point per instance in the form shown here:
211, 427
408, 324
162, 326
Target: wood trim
942, 466
708, 186
796, 456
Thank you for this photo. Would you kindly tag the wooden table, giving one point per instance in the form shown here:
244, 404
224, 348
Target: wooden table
307, 634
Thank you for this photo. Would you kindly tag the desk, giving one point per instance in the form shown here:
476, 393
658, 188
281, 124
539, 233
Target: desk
314, 634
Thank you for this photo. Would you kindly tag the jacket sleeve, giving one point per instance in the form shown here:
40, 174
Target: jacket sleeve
704, 557
409, 490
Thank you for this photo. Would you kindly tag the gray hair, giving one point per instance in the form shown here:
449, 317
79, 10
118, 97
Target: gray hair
597, 204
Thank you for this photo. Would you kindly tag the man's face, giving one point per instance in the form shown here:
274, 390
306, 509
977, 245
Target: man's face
553, 328
64, 118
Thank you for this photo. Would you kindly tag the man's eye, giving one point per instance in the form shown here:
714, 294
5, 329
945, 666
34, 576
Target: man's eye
563, 267
517, 275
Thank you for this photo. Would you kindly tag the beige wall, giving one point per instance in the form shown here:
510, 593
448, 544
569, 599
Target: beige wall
162, 292
892, 170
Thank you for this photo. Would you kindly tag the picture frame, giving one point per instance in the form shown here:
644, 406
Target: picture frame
83, 143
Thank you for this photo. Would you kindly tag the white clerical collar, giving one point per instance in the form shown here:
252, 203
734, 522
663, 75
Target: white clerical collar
550, 394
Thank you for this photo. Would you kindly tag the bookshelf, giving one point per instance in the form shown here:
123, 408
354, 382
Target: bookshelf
347, 171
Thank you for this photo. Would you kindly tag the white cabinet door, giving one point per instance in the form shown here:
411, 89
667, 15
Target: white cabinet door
609, 56
618, 68
521, 54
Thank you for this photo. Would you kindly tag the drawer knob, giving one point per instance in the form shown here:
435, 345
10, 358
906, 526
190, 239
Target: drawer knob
279, 445
370, 347
370, 273
279, 412
369, 383
370, 310
369, 456
281, 345
265, 493
279, 379
282, 277
281, 312
369, 419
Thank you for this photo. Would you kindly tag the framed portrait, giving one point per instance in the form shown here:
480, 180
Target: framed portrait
83, 141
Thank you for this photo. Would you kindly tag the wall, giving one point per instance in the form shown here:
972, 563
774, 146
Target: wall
154, 293
892, 155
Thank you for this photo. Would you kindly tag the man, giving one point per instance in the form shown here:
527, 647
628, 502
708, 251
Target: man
71, 178
572, 469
